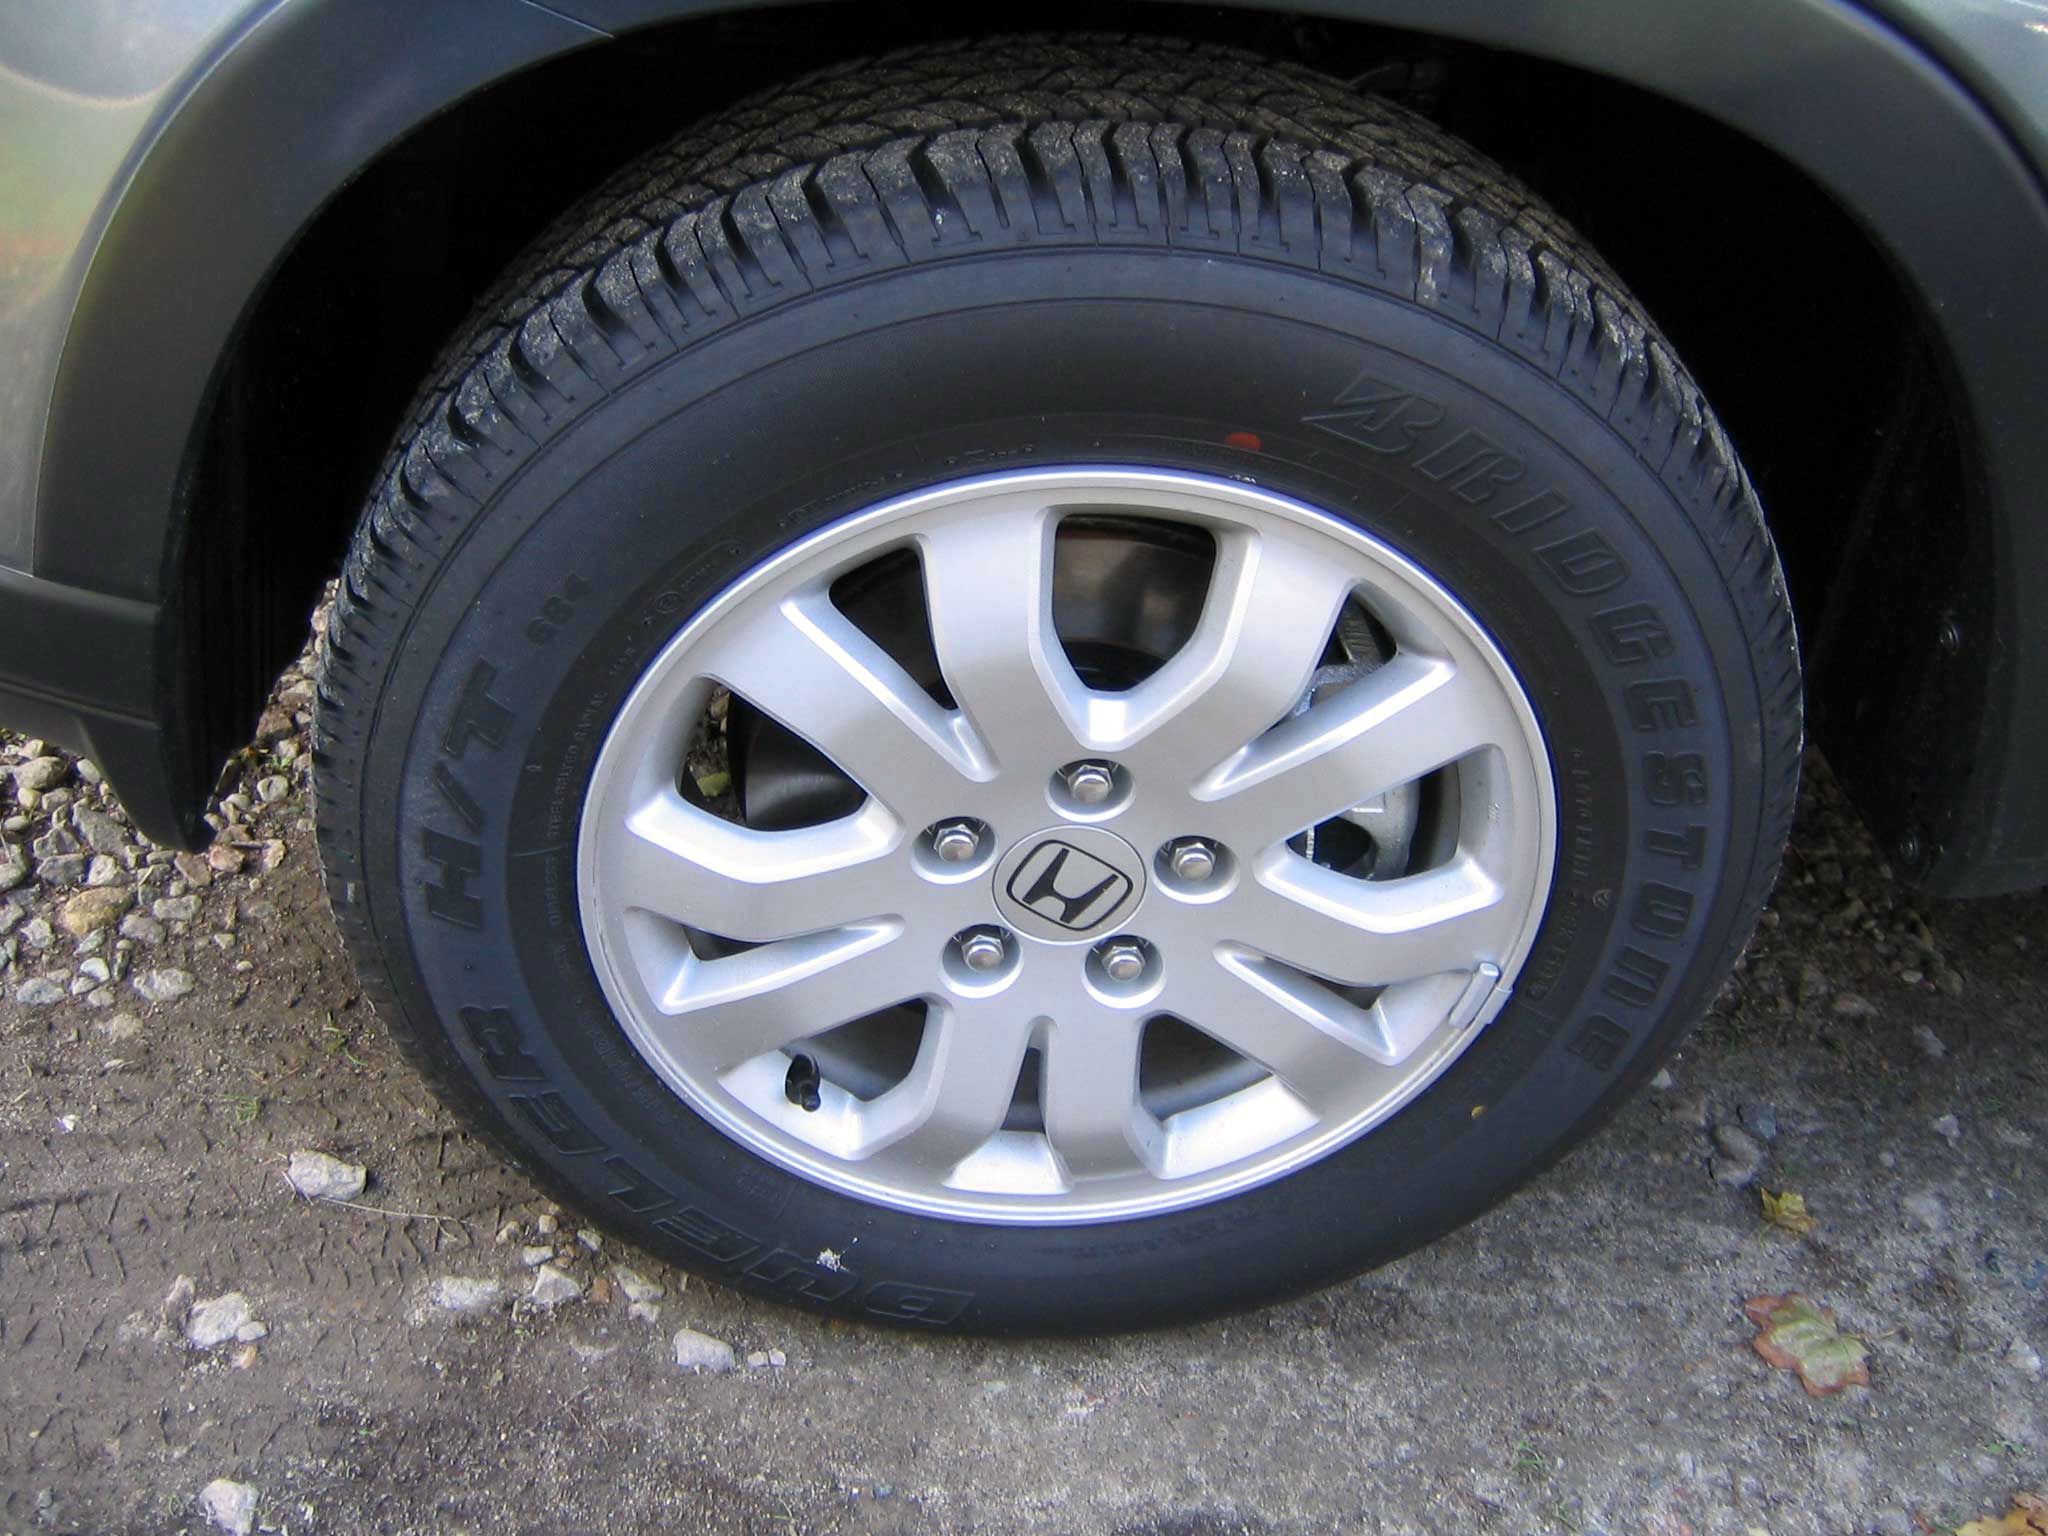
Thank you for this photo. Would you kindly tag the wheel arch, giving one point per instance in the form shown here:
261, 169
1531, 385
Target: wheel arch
153, 493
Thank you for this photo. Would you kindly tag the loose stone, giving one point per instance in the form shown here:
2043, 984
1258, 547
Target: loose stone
142, 928
165, 986
62, 869
39, 992
231, 1506
466, 1294
636, 1286
213, 1322
552, 1287
102, 833
318, 1176
94, 909
696, 1351
39, 773
1740, 1157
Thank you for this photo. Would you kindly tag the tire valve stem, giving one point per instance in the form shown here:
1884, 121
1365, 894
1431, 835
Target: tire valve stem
800, 1087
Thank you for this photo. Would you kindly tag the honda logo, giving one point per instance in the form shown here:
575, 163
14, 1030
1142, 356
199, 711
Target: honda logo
1068, 885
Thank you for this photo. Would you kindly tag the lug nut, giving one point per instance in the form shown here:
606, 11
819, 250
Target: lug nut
956, 841
1090, 783
1192, 859
981, 949
1122, 959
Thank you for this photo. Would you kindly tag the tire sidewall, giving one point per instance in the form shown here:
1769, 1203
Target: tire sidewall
1586, 567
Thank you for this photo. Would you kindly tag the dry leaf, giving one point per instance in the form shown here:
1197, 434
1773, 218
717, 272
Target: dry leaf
1788, 1211
1796, 1334
2029, 1517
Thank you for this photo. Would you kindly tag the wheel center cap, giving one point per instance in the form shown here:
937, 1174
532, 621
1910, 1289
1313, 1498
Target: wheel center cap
1066, 885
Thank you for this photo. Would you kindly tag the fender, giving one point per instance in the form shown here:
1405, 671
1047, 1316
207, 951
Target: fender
318, 88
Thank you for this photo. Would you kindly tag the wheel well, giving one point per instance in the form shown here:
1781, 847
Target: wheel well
1809, 344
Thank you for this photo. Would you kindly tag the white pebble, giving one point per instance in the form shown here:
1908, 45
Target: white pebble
165, 986
696, 1351
466, 1294
637, 1287
213, 1322
552, 1287
231, 1506
318, 1176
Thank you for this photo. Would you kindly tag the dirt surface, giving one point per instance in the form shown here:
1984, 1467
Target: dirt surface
1575, 1362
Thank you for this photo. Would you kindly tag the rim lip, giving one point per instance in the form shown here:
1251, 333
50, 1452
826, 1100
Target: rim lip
612, 772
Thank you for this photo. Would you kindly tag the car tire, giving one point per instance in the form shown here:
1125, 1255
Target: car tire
1064, 455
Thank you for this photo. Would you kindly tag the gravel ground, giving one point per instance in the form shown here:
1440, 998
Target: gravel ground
188, 1342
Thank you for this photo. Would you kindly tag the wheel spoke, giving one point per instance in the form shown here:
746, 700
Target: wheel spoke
1314, 1041
988, 585
1415, 714
1089, 1094
671, 859
723, 1012
958, 1090
1372, 932
804, 663
1273, 602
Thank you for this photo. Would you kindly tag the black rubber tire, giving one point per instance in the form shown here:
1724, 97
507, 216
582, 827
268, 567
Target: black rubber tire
1181, 256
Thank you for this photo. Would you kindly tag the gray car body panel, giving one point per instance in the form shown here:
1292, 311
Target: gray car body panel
1926, 119
84, 87
1998, 49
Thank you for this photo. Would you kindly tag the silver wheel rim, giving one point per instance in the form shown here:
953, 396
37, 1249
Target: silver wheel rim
1341, 997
